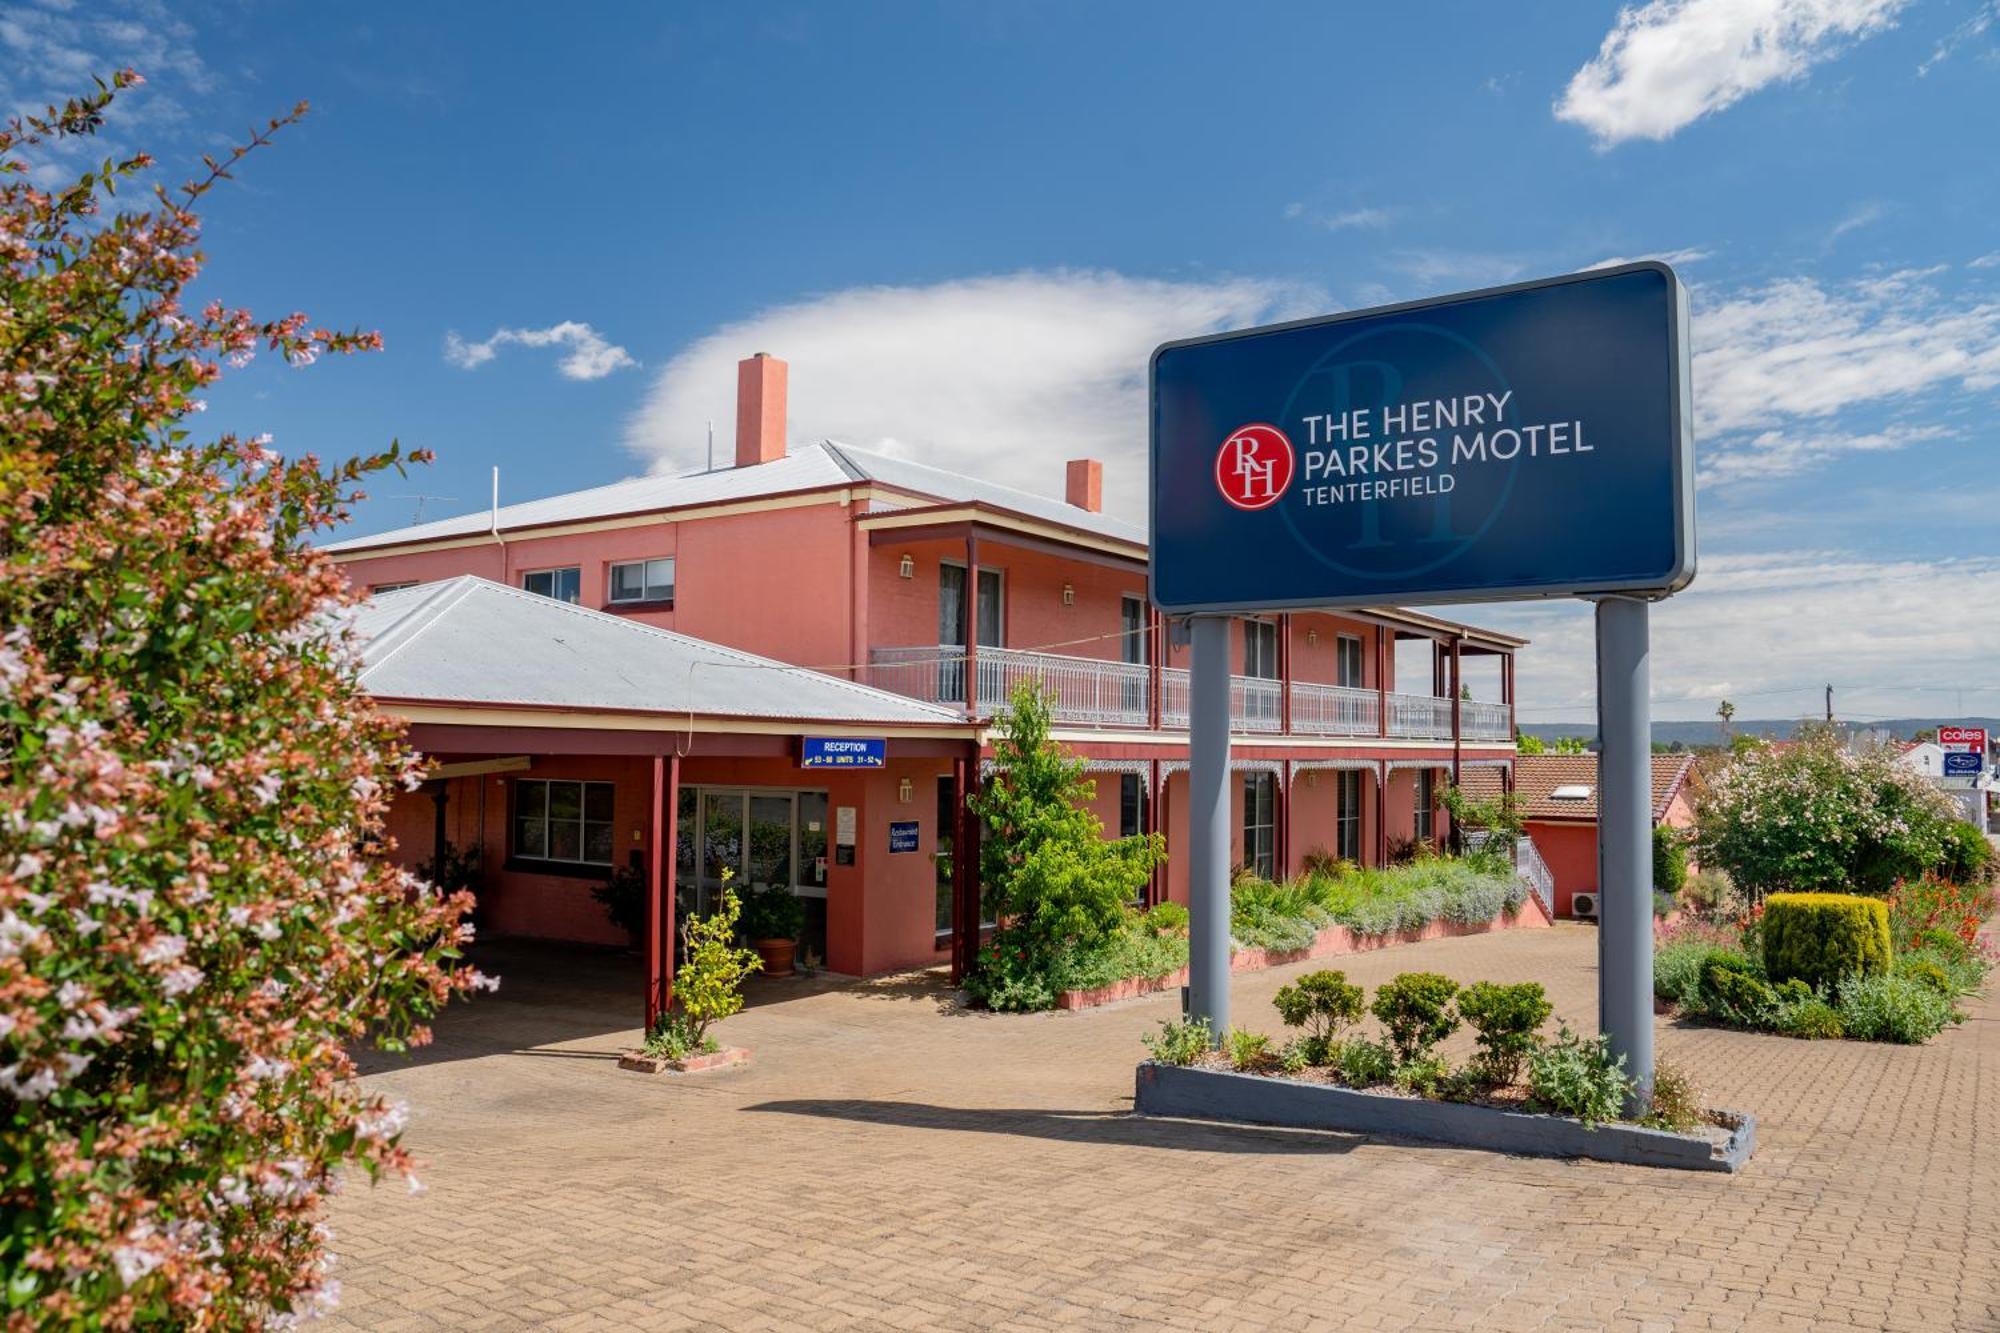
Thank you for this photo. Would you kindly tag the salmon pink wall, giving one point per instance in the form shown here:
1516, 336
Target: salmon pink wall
904, 612
1570, 850
1318, 662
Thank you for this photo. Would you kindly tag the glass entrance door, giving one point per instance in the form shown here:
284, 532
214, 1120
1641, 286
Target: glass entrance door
721, 846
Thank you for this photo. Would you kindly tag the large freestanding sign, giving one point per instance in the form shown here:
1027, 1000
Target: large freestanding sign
1528, 441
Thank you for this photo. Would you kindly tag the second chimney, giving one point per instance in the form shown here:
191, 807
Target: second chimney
1084, 486
760, 410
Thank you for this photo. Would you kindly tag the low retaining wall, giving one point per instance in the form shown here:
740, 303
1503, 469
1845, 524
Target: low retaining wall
1221, 1094
1331, 942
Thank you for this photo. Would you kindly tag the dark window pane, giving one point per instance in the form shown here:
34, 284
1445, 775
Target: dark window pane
597, 843
628, 583
530, 838
565, 800
531, 799
597, 800
566, 842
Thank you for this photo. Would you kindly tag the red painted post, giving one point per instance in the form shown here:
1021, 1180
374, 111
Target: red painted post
1155, 823
1382, 640
655, 972
670, 859
1285, 818
961, 930
966, 921
1457, 710
1155, 675
1285, 676
971, 625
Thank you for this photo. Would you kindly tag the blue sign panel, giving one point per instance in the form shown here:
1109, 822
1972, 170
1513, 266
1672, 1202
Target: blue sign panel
1527, 441
1963, 763
842, 752
903, 836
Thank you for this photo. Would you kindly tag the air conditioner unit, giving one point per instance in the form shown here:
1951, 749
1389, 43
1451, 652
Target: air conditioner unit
1583, 904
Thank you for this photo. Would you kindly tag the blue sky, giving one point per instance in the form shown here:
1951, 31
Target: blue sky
966, 225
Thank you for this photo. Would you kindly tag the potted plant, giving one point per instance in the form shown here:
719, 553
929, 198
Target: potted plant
772, 919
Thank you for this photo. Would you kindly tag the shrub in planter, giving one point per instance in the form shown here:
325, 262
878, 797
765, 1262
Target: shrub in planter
674, 1037
1416, 1008
1325, 1004
1248, 1052
1166, 919
1179, 1043
708, 984
1822, 937
1576, 1076
1365, 1063
1425, 1076
1676, 1100
1891, 1008
1507, 1018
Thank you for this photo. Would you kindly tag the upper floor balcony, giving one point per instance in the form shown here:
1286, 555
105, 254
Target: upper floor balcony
1094, 692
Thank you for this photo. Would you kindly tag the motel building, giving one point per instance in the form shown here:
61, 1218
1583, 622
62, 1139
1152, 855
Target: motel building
789, 669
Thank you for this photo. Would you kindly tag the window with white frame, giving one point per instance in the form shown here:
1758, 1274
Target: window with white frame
1426, 821
565, 585
392, 587
556, 820
1347, 816
1260, 649
643, 581
1260, 824
1347, 661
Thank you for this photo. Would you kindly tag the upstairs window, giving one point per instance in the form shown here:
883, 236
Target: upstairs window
392, 587
643, 581
565, 585
1347, 661
1260, 649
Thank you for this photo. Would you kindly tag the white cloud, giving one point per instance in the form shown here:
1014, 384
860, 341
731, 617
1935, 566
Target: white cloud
1991, 260
1777, 625
1668, 63
1970, 30
1783, 453
590, 356
1342, 219
1442, 270
1802, 350
1687, 256
1000, 377
1862, 215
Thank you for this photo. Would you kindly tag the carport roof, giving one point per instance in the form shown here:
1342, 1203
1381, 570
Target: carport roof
470, 641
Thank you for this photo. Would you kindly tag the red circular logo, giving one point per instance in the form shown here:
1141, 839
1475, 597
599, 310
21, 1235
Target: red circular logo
1254, 467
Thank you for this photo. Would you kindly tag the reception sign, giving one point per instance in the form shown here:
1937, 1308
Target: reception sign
842, 752
1528, 441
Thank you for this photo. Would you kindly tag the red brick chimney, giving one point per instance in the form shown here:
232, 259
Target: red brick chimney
760, 410
1085, 484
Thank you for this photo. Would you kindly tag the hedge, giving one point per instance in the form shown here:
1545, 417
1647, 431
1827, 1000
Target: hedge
1821, 938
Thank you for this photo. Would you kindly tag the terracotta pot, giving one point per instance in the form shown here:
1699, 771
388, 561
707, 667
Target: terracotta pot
777, 956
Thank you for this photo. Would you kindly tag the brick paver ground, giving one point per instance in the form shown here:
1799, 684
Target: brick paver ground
892, 1162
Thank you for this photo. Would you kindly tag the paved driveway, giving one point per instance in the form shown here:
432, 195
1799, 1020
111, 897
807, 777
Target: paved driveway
890, 1161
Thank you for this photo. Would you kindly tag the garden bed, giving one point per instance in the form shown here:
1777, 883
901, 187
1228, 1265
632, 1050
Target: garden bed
639, 1062
1330, 942
1204, 1093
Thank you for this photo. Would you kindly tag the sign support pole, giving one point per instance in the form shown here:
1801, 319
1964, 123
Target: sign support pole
1624, 839
1208, 825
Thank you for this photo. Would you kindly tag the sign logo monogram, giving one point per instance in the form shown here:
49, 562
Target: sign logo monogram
1254, 467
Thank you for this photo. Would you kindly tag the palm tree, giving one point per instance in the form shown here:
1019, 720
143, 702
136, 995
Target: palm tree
1725, 710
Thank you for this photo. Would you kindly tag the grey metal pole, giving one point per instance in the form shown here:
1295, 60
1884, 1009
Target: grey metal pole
1625, 839
1208, 824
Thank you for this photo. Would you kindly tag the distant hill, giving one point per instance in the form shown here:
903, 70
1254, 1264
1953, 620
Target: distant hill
1781, 729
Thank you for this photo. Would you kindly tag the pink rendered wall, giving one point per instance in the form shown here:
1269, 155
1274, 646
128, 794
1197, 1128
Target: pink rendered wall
904, 612
1570, 850
1317, 662
1314, 808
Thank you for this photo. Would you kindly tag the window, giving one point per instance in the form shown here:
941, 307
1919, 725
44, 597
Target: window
947, 825
1347, 816
1426, 822
643, 581
1260, 649
1133, 799
392, 587
1347, 661
1132, 630
563, 821
565, 585
1260, 824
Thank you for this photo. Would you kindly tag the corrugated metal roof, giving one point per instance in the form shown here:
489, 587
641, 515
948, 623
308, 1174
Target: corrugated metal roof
468, 640
807, 468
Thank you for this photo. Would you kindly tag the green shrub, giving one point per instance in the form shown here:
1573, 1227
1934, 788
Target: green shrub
772, 913
1892, 1008
1711, 893
1928, 972
1678, 969
708, 984
1365, 1063
1576, 1076
1248, 1052
1676, 1099
1670, 860
1295, 1058
1810, 1020
1167, 919
673, 1037
1416, 1008
1822, 937
1324, 1003
1733, 994
1968, 856
1425, 1076
1962, 970
1179, 1043
1507, 1019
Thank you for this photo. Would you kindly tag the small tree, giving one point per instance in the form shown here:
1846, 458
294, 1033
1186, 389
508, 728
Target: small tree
1050, 877
1670, 860
708, 985
1498, 817
193, 926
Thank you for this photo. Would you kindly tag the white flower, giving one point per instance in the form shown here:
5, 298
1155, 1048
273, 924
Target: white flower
30, 1088
163, 949
134, 1263
264, 1069
17, 935
181, 980
384, 1123
479, 981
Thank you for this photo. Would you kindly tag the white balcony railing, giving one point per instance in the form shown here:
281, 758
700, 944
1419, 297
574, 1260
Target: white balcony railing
1255, 704
1481, 721
1335, 710
1420, 717
1080, 689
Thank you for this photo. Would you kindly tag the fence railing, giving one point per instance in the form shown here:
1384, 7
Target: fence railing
1529, 867
1103, 693
1335, 710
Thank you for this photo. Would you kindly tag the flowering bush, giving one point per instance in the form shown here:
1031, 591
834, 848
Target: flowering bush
1817, 816
1932, 903
195, 918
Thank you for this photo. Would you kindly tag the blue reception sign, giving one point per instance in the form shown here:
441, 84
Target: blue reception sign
842, 752
1529, 441
1963, 763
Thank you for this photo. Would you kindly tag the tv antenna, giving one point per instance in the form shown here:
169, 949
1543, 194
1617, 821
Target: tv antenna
417, 515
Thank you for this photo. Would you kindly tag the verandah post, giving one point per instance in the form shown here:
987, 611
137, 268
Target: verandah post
1208, 825
1624, 841
655, 974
